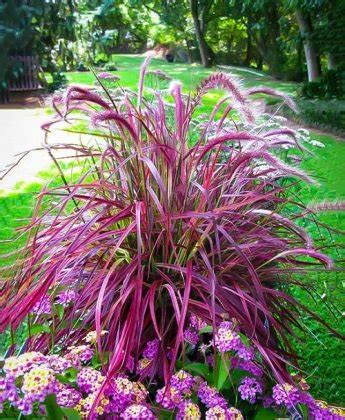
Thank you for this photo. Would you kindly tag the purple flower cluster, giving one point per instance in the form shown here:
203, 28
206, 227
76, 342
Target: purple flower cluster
150, 353
42, 307
8, 391
245, 353
226, 338
57, 363
210, 396
250, 389
118, 395
123, 393
39, 382
221, 413
197, 323
169, 398
67, 396
79, 354
251, 367
66, 297
191, 334
17, 366
183, 382
138, 411
151, 349
320, 411
89, 380
29, 378
86, 410
286, 394
180, 387
34, 386
289, 396
188, 410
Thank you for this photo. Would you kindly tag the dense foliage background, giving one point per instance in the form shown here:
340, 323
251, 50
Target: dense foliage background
284, 36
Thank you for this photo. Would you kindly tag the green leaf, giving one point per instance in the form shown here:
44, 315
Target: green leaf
36, 329
64, 380
163, 414
237, 375
199, 369
245, 339
222, 371
60, 311
53, 410
304, 410
265, 414
68, 377
71, 414
207, 329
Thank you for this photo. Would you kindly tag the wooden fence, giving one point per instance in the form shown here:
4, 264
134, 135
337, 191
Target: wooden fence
27, 78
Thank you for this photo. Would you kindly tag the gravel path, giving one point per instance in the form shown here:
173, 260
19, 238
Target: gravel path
20, 131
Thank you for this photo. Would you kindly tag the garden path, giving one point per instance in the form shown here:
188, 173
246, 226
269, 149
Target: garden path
21, 131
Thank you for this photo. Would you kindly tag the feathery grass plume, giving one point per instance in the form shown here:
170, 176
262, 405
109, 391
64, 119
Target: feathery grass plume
273, 92
160, 227
327, 206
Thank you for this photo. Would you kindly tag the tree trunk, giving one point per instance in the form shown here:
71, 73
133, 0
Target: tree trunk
259, 62
300, 60
248, 49
205, 50
331, 64
189, 53
312, 59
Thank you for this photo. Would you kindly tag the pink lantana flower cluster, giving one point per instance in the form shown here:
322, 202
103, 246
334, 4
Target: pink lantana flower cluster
26, 381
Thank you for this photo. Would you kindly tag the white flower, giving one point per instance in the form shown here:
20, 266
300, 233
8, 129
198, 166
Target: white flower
316, 143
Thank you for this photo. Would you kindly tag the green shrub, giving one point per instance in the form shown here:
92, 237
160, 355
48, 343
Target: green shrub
59, 82
110, 67
330, 85
323, 114
81, 67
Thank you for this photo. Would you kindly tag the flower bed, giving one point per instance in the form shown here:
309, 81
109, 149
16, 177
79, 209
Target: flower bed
219, 372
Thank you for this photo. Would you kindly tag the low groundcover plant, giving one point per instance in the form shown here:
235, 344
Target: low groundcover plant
156, 284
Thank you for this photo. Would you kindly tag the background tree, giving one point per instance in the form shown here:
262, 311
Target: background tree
198, 10
321, 24
312, 58
17, 33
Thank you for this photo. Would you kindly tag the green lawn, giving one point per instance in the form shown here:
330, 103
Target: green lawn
323, 354
128, 70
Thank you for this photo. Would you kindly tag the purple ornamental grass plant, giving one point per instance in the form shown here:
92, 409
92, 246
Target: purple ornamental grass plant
163, 227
